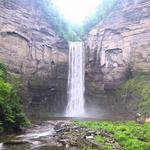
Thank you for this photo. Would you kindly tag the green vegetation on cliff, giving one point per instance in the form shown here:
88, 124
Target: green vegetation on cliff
73, 32
102, 10
129, 135
137, 92
12, 116
59, 23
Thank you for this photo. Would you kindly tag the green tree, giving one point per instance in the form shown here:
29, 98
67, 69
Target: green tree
12, 116
102, 10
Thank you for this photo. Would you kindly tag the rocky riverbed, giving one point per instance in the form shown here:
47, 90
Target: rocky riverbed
38, 137
71, 135
56, 135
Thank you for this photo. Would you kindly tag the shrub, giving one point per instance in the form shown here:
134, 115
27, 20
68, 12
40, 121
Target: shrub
12, 116
138, 88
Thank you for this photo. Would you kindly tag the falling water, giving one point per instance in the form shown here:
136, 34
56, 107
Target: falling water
75, 107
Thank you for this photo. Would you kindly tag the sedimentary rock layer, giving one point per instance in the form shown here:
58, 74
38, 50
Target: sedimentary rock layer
33, 51
119, 45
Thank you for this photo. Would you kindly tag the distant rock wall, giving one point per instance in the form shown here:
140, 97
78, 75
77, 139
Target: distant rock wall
33, 51
118, 46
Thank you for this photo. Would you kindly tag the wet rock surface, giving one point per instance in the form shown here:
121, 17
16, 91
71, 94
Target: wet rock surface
38, 137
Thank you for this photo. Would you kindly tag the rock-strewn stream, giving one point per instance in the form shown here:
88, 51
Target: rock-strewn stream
56, 135
38, 137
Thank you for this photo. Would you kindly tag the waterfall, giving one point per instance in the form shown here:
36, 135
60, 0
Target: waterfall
75, 107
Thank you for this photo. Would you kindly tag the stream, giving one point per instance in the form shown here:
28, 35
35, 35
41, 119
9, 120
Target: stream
38, 137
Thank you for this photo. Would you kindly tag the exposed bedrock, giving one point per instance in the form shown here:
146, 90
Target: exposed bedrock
118, 47
33, 51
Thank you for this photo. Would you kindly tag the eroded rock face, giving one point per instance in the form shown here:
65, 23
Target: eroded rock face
32, 50
119, 45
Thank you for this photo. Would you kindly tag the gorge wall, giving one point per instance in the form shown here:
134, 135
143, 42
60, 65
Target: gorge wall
34, 53
118, 47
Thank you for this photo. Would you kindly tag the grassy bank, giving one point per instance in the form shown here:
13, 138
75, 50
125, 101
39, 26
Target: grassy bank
129, 135
136, 93
12, 116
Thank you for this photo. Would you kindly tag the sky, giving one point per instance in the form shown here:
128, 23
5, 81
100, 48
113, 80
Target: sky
76, 11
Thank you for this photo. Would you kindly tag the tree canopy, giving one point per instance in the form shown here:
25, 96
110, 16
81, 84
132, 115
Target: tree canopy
73, 32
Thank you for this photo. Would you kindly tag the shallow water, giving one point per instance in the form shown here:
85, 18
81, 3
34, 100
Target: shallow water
39, 137
96, 114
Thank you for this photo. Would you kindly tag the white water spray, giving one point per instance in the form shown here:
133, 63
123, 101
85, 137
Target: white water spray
75, 107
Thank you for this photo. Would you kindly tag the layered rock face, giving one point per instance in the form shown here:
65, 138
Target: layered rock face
118, 46
31, 49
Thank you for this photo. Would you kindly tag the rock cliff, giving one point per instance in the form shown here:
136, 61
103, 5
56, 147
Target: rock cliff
33, 51
119, 45
116, 48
